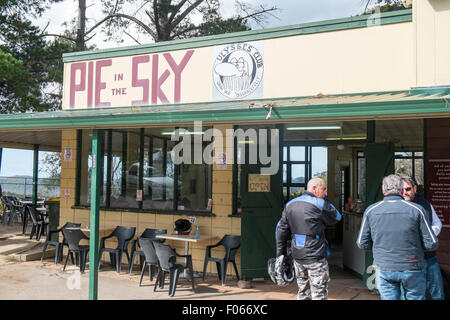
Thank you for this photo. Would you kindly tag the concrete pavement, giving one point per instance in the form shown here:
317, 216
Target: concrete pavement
31, 280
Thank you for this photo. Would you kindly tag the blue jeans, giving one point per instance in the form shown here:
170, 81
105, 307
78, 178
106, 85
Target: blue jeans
410, 284
435, 284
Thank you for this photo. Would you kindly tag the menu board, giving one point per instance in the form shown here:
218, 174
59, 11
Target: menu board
438, 184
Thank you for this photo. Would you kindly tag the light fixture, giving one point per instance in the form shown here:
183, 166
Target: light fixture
315, 128
181, 133
246, 142
346, 138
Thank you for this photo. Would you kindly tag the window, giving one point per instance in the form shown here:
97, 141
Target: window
406, 163
300, 164
139, 173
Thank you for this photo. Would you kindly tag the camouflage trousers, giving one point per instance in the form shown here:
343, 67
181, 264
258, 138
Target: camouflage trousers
312, 280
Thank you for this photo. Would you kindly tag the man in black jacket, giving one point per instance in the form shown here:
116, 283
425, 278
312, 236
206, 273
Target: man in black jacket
435, 285
303, 222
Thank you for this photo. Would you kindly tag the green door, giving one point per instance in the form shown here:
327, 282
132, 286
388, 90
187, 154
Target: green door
379, 163
261, 197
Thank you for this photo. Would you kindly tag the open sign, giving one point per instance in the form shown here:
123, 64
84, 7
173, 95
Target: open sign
258, 183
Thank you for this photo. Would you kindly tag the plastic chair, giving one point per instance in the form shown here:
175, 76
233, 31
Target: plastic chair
148, 234
73, 237
39, 223
231, 244
167, 263
123, 235
6, 209
150, 257
12, 209
58, 245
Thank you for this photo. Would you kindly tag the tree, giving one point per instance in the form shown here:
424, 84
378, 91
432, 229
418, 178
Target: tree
385, 5
165, 20
30, 67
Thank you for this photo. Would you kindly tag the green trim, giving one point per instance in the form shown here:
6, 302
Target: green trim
253, 35
97, 118
441, 90
78, 169
96, 177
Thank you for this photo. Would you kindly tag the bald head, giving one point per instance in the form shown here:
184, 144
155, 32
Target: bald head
318, 187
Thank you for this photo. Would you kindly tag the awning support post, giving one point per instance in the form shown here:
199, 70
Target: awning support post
95, 213
35, 172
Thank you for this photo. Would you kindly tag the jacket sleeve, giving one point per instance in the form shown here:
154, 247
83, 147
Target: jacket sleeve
283, 234
436, 224
330, 215
429, 239
364, 240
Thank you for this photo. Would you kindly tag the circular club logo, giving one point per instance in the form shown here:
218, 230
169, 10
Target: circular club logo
238, 70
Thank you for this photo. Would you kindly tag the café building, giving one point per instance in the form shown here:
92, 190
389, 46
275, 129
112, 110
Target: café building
351, 100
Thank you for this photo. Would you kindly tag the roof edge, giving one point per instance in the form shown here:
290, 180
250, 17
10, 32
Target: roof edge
362, 21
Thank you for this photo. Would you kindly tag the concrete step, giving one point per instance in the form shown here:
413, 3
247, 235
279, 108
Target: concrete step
33, 253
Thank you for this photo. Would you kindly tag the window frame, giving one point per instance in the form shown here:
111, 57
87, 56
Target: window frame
106, 149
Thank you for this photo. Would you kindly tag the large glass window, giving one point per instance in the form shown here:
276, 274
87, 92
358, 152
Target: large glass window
300, 164
139, 173
408, 163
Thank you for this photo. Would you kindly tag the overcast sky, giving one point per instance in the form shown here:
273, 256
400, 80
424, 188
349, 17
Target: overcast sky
291, 12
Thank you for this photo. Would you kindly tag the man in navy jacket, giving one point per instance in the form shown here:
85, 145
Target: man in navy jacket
303, 222
398, 233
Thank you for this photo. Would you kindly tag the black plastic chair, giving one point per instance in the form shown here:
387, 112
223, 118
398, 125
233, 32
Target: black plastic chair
123, 235
151, 259
39, 223
6, 209
73, 237
12, 209
167, 263
148, 234
231, 244
51, 241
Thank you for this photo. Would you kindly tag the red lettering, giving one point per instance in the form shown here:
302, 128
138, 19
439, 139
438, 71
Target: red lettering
135, 82
90, 87
157, 82
77, 87
99, 85
177, 69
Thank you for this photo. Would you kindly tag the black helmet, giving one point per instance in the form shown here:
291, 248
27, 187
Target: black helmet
182, 226
281, 270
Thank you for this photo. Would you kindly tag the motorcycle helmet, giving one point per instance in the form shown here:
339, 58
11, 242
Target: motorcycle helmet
281, 270
182, 226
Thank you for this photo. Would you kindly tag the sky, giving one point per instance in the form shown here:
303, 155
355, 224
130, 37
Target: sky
290, 12
20, 162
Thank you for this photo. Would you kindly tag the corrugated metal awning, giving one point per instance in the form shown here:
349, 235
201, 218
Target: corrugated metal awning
319, 106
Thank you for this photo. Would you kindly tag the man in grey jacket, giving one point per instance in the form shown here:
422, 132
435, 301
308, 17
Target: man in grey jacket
397, 232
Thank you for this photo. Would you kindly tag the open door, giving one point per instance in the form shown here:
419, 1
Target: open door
261, 203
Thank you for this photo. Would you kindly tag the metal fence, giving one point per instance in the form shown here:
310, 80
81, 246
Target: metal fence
23, 187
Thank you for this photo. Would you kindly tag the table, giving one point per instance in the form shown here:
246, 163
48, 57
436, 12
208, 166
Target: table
24, 202
187, 239
87, 231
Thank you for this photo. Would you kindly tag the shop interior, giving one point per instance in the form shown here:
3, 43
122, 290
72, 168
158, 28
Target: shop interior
335, 152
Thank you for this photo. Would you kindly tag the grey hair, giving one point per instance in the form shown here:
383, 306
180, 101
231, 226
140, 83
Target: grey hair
392, 184
410, 180
314, 182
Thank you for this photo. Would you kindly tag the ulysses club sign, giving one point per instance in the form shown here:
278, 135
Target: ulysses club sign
238, 70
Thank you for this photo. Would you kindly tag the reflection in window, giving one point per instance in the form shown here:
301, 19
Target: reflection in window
158, 174
124, 180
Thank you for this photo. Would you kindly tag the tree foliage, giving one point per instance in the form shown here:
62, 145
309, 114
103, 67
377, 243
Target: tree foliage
166, 20
384, 5
30, 66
